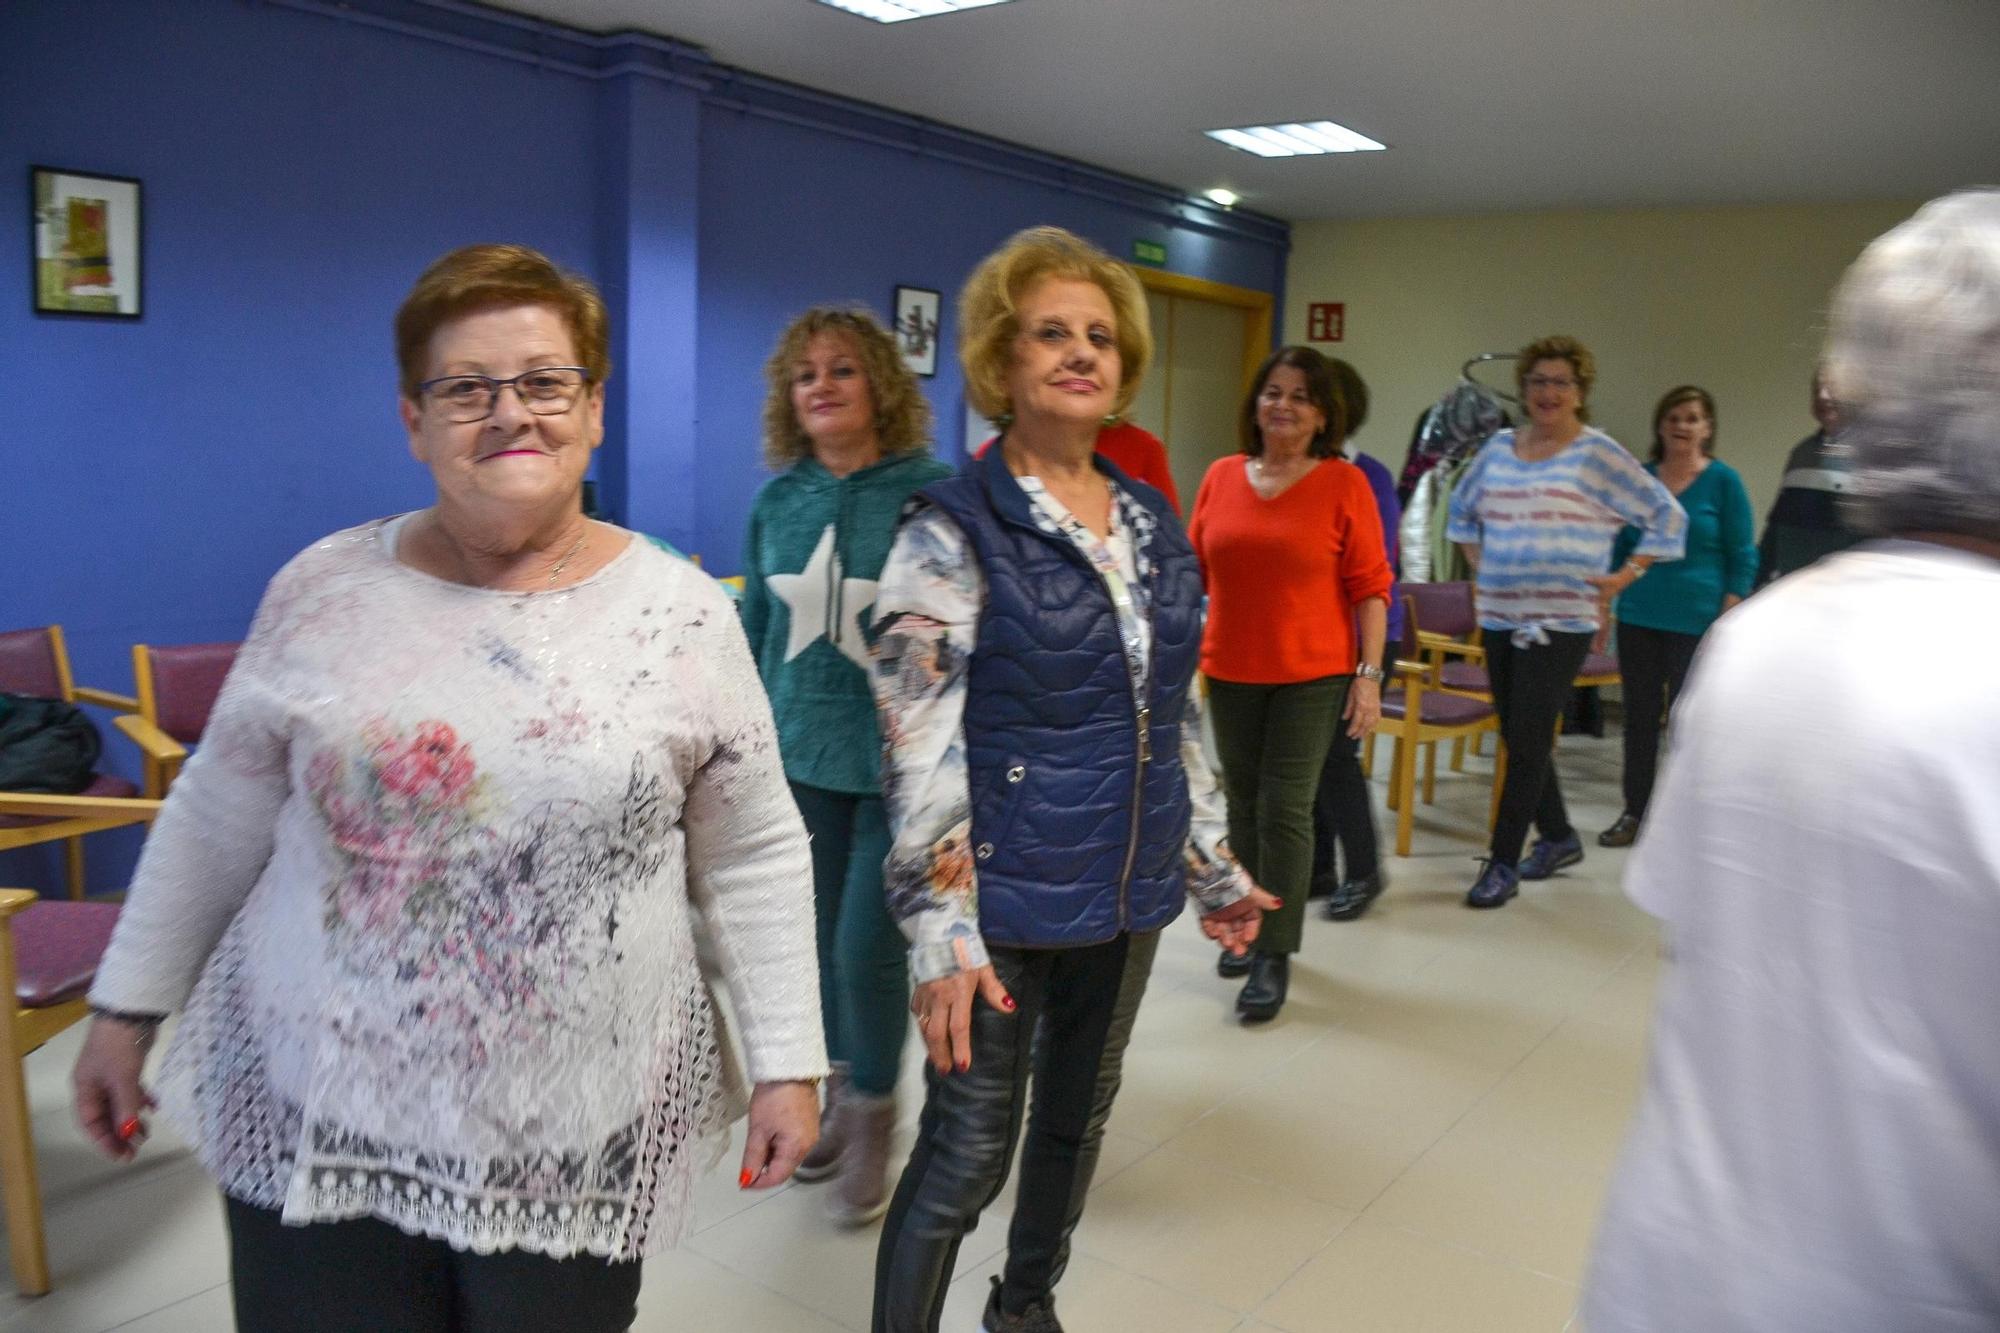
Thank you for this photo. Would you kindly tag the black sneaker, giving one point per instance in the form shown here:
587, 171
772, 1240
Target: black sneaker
1495, 885
1039, 1317
1547, 857
1233, 965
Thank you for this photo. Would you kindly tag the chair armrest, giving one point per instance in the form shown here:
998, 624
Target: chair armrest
13, 900
123, 703
156, 743
1457, 647
134, 809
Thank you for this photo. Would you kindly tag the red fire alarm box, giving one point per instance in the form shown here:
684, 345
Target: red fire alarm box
1326, 321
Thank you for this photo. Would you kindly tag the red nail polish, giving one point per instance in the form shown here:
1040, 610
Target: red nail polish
130, 1129
1278, 902
743, 1181
964, 1065
1007, 1003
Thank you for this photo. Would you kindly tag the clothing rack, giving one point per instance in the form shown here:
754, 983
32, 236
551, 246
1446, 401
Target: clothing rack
1465, 373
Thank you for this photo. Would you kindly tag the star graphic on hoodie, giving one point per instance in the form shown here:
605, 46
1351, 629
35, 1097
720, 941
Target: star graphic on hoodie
825, 604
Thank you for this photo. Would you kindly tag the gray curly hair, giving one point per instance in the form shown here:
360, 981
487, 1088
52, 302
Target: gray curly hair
1913, 356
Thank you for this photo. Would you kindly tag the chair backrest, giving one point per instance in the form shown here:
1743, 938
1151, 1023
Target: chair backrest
1442, 608
31, 663
178, 684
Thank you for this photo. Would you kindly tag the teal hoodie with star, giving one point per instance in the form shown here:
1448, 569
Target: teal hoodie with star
814, 551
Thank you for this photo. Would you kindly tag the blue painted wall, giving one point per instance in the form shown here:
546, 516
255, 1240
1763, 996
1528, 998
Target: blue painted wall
824, 218
303, 161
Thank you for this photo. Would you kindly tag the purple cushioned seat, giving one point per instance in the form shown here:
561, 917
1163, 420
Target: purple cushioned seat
57, 947
1440, 710
1598, 664
101, 784
1464, 676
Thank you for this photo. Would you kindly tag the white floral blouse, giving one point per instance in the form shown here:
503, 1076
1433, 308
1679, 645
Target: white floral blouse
928, 603
430, 892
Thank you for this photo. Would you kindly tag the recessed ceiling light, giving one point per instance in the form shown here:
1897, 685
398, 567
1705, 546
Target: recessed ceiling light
1296, 139
1226, 198
896, 11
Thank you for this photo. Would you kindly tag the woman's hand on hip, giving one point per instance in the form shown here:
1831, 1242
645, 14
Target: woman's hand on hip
1235, 927
1608, 587
1364, 706
784, 1125
109, 1097
944, 1014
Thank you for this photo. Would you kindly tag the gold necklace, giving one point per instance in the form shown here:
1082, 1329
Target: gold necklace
566, 557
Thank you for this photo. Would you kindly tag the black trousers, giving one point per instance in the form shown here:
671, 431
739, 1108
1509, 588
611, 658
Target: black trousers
1343, 810
1073, 1020
366, 1276
1530, 687
1654, 664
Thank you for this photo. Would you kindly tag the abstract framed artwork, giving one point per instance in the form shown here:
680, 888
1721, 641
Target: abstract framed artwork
87, 234
916, 314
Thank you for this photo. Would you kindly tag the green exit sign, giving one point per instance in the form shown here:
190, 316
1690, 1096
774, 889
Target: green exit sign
1149, 252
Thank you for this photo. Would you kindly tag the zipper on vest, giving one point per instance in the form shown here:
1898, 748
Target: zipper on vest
1142, 721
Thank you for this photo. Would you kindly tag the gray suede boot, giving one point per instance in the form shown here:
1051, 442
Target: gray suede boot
824, 1159
862, 1193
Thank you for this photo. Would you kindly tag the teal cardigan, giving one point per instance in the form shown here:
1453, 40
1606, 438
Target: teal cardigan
1685, 595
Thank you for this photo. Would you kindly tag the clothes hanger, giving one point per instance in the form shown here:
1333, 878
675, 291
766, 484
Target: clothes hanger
1465, 373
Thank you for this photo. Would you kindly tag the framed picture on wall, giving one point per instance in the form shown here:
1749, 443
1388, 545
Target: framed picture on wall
86, 233
917, 328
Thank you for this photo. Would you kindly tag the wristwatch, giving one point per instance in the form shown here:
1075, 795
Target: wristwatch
1369, 671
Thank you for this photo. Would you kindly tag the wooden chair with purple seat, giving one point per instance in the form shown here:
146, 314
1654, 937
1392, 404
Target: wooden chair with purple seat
1415, 717
36, 662
1443, 633
49, 953
177, 687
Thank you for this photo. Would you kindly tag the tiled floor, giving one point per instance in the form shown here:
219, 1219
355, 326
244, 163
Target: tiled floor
1419, 1143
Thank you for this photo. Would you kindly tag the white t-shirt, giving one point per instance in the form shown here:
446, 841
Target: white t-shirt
1818, 1147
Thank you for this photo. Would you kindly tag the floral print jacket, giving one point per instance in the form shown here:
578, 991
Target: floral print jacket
928, 606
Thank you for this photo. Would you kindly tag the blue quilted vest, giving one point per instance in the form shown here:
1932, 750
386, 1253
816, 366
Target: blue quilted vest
1079, 801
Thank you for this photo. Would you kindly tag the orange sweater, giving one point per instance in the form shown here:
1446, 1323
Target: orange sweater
1285, 575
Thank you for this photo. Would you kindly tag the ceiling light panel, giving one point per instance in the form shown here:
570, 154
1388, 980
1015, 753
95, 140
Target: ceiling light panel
1296, 139
897, 11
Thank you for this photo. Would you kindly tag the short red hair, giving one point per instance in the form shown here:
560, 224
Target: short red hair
480, 277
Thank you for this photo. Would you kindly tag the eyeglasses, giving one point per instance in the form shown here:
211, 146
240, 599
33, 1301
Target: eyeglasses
547, 391
1549, 382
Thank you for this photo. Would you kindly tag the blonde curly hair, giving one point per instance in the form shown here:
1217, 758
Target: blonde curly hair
902, 413
1559, 347
988, 321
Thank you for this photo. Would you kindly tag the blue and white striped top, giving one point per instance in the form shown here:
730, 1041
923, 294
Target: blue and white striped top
1544, 528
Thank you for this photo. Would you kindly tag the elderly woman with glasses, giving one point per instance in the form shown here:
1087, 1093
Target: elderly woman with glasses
1050, 810
1537, 512
428, 899
1818, 1143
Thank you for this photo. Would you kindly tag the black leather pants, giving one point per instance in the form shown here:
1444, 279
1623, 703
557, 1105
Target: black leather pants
1071, 1027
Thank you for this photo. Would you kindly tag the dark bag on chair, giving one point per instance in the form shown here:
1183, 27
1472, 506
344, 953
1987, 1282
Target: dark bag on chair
46, 746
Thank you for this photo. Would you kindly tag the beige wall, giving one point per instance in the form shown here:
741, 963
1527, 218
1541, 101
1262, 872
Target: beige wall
1732, 299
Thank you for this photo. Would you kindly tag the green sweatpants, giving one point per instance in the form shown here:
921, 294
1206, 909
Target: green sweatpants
1273, 740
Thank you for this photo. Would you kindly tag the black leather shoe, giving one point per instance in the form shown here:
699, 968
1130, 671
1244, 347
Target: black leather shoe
1353, 896
1621, 833
1233, 965
1263, 994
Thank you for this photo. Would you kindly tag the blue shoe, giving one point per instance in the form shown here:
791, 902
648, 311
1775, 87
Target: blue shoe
1495, 885
1546, 857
